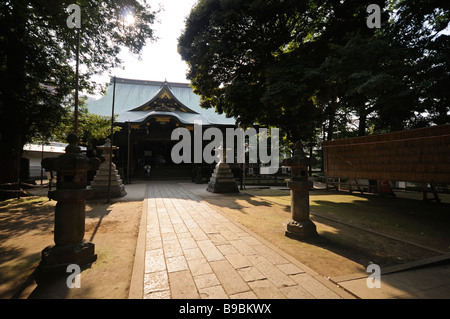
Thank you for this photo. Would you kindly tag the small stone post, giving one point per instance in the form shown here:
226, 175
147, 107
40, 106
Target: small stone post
301, 226
70, 193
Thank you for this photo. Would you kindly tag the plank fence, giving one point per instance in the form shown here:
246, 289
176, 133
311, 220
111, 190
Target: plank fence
419, 156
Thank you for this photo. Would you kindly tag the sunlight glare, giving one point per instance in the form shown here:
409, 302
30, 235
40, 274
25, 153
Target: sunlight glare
129, 19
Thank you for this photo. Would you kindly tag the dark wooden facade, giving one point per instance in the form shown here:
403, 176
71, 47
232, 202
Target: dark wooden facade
420, 155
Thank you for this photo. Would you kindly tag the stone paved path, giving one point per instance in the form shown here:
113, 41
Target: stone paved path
193, 251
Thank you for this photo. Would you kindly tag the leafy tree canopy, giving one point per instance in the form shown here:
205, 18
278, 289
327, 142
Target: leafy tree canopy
37, 62
299, 65
92, 128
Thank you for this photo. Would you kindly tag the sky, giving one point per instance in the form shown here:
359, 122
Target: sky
159, 59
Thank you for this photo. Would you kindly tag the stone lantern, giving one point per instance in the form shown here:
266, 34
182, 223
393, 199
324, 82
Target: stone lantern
222, 179
102, 183
70, 194
300, 226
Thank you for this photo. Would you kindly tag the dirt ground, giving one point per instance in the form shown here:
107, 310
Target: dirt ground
343, 247
26, 228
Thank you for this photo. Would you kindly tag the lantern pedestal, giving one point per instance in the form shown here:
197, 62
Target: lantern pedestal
70, 194
55, 259
300, 227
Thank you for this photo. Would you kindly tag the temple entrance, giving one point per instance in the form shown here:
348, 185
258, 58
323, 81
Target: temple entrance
149, 143
157, 155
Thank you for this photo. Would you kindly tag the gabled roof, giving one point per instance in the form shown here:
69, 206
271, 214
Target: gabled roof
136, 100
164, 100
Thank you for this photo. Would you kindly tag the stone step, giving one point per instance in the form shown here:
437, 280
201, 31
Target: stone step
106, 177
113, 172
222, 180
105, 184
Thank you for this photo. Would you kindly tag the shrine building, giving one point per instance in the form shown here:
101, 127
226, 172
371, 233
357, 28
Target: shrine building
148, 112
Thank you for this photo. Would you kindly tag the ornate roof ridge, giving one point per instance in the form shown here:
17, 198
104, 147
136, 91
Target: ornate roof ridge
149, 82
165, 94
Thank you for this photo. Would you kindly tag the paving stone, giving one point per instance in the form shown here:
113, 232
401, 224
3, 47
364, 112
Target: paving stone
214, 220
296, 292
187, 242
227, 249
314, 287
190, 223
207, 280
271, 255
165, 294
216, 292
235, 229
290, 269
176, 264
209, 250
217, 239
274, 274
264, 289
244, 295
221, 227
199, 267
153, 242
172, 249
198, 233
252, 241
168, 236
238, 261
153, 232
193, 253
243, 247
154, 263
207, 227
184, 234
251, 274
180, 228
154, 252
155, 281
231, 281
228, 234
182, 285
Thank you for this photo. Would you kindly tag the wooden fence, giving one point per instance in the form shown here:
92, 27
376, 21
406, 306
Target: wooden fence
420, 155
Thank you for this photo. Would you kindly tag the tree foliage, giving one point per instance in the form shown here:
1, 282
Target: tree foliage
37, 62
92, 128
304, 65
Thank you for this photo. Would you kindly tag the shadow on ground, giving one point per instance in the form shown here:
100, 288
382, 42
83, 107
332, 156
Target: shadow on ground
351, 228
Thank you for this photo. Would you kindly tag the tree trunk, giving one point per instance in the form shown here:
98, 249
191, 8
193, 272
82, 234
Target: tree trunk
13, 128
12, 149
331, 120
330, 128
362, 123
